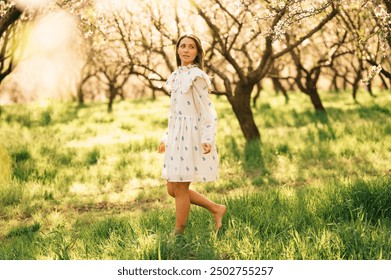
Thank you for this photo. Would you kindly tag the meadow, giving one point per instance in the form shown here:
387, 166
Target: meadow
79, 183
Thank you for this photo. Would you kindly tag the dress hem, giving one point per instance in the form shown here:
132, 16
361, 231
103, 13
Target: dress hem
187, 180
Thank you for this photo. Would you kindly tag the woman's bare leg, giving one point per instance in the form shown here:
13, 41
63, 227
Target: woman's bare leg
182, 205
217, 210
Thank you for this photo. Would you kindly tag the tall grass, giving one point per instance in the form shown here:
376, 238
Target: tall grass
5, 166
78, 183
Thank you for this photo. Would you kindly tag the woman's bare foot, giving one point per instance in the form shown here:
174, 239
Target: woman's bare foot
218, 215
179, 231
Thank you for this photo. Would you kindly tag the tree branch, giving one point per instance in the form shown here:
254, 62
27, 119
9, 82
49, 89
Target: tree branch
308, 35
9, 18
224, 50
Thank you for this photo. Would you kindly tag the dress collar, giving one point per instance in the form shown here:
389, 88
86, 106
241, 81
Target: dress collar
188, 67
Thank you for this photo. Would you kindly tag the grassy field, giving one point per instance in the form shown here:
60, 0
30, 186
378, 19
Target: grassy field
79, 183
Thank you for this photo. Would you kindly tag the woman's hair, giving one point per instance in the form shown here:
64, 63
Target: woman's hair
199, 59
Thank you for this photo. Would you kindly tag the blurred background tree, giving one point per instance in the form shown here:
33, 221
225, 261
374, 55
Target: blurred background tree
9, 15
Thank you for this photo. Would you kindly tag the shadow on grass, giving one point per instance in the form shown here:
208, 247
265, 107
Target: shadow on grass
343, 221
278, 118
20, 243
42, 116
253, 158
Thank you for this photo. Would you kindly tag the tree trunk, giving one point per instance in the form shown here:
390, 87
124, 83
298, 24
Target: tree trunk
6, 72
356, 82
121, 94
355, 86
80, 95
257, 95
112, 94
312, 89
334, 83
384, 83
279, 87
315, 99
369, 87
241, 106
345, 83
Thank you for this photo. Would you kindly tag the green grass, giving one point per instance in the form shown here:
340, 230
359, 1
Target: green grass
78, 183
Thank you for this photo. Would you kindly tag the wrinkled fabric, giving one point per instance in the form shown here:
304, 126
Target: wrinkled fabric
192, 121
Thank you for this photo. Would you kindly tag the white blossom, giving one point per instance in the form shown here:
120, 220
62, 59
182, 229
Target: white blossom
4, 7
88, 34
375, 70
239, 4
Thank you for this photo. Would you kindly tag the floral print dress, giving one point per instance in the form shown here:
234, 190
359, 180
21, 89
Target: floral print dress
192, 121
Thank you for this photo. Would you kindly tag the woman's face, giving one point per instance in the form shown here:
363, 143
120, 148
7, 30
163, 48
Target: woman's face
187, 51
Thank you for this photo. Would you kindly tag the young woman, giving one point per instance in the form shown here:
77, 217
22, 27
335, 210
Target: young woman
189, 142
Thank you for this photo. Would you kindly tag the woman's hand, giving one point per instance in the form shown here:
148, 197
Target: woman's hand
162, 148
206, 148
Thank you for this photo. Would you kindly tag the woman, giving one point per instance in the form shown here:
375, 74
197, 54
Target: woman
189, 142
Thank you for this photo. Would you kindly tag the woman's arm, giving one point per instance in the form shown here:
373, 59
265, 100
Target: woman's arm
206, 109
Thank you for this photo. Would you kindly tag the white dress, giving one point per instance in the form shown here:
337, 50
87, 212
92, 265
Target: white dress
192, 121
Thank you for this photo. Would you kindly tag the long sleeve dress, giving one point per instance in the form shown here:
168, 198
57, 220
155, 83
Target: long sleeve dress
192, 121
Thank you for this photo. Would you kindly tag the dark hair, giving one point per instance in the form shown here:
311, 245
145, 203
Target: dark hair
199, 59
